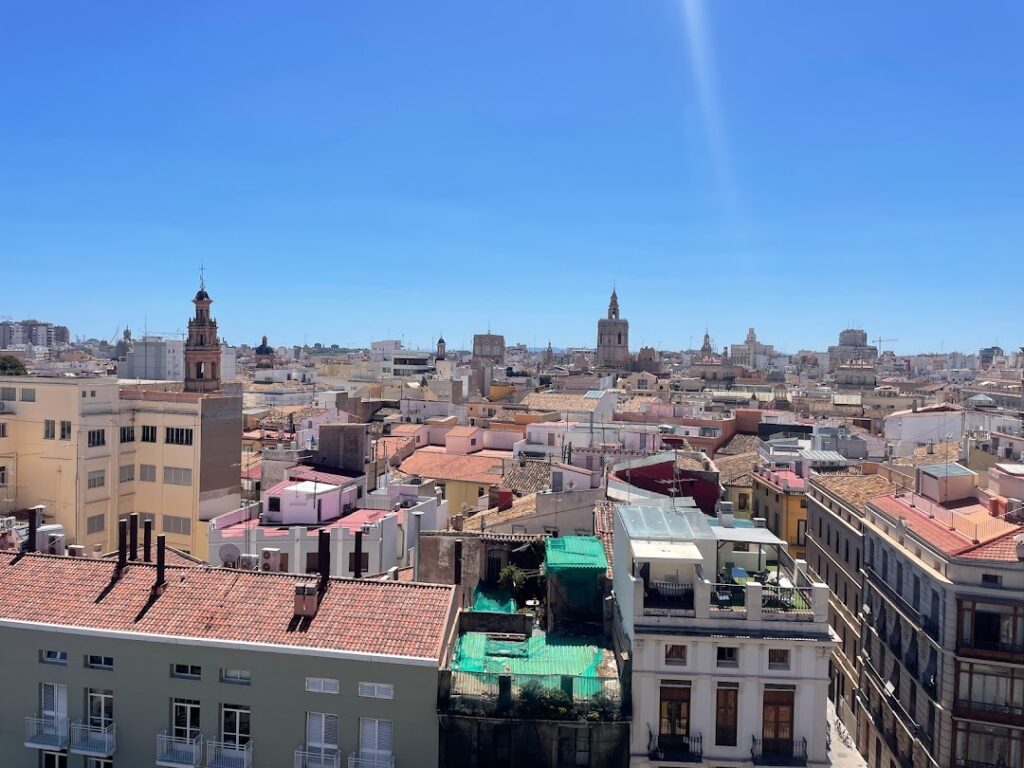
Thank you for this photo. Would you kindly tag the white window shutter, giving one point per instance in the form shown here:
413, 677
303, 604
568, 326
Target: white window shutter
366, 689
314, 729
331, 731
49, 695
384, 736
62, 700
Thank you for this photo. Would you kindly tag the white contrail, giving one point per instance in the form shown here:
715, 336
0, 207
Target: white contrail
703, 67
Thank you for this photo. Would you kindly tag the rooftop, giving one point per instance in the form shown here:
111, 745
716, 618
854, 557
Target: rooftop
738, 444
945, 470
559, 401
249, 608
526, 477
735, 469
438, 465
855, 490
575, 553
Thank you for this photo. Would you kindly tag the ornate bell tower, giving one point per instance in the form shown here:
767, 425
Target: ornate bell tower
202, 350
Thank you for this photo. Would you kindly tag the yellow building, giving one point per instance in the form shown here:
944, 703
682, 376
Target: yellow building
92, 452
779, 497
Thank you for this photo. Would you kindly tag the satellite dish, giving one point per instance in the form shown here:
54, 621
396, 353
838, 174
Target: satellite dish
229, 555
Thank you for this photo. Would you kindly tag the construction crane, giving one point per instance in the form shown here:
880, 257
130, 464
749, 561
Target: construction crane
879, 341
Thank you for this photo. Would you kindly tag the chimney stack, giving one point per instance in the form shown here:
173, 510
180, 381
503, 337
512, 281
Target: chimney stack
122, 544
161, 548
147, 541
357, 569
133, 536
33, 526
324, 558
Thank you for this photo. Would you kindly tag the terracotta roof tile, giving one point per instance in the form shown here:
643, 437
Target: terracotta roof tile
855, 490
738, 444
735, 469
390, 618
450, 466
527, 477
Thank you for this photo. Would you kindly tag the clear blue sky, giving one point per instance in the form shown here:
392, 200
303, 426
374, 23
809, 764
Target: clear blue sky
358, 170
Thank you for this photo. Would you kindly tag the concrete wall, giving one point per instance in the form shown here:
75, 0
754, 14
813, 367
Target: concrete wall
143, 689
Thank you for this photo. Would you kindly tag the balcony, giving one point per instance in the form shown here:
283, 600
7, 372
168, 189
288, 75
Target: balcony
665, 597
931, 626
93, 740
364, 760
317, 758
179, 752
993, 713
779, 752
963, 762
676, 749
228, 754
46, 732
894, 596
992, 649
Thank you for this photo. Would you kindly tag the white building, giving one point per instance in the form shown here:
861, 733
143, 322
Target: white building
153, 358
727, 665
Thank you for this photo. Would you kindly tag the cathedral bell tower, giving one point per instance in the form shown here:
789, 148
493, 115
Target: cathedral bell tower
202, 349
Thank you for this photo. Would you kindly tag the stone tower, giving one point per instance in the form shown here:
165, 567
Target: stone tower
613, 338
440, 349
202, 349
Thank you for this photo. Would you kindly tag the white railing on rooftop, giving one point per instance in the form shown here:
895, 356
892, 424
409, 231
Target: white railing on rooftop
178, 750
46, 732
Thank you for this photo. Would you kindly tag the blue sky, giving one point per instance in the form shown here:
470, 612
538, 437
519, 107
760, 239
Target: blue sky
349, 171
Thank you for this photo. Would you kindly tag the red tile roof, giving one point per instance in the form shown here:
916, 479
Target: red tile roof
320, 475
449, 466
356, 616
1003, 549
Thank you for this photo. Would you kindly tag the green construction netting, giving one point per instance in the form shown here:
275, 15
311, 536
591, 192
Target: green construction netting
571, 553
494, 601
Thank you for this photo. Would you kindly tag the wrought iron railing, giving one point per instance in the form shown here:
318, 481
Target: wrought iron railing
779, 751
983, 710
676, 749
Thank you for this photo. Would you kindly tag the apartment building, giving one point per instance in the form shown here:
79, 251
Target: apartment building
91, 452
835, 553
943, 635
780, 498
728, 639
130, 663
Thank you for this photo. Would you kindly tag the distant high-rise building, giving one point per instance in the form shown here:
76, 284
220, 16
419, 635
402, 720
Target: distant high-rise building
852, 348
32, 333
987, 355
613, 337
751, 353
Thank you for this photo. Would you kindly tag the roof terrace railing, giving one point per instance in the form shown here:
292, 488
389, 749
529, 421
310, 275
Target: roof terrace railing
535, 696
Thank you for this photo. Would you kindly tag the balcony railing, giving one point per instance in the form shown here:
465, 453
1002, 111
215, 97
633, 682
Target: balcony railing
779, 751
364, 760
46, 732
996, 713
228, 754
676, 749
931, 626
992, 650
93, 740
317, 758
964, 762
726, 597
785, 599
893, 594
179, 751
666, 595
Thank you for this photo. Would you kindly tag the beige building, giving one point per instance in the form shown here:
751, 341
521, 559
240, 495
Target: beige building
91, 452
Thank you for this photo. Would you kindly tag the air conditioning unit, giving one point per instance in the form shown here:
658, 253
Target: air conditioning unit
55, 544
7, 524
76, 550
249, 562
270, 559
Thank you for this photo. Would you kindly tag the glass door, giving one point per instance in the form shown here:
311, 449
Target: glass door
234, 726
185, 717
777, 725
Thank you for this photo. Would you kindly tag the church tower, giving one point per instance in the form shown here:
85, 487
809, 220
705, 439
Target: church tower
613, 338
202, 350
440, 349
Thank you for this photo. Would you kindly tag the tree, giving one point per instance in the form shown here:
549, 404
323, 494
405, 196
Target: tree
12, 366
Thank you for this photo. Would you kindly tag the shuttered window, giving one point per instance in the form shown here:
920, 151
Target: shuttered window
321, 733
374, 738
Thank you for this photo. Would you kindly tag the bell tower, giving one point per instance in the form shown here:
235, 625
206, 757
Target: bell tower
202, 349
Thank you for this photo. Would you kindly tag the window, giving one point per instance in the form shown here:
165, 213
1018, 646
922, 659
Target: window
65, 430
801, 533
234, 725
180, 525
178, 436
97, 437
185, 718
322, 685
95, 523
725, 716
550, 531
188, 671
236, 676
148, 434
97, 478
364, 562
100, 706
744, 501
728, 656
573, 746
778, 658
274, 504
28, 395
675, 655
3, 476
49, 429
377, 690
375, 739
3, 429
99, 662
147, 473
8, 393
126, 473
991, 580
53, 657
177, 476
127, 434
322, 736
